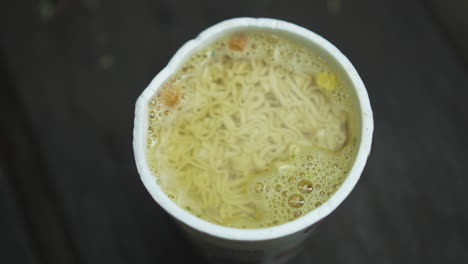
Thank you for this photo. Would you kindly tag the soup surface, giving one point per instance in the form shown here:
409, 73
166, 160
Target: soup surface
254, 130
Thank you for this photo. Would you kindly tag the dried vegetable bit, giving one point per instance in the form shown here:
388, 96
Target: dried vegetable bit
238, 42
170, 95
327, 81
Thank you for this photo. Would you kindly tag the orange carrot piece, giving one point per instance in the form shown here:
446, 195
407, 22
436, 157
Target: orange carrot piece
238, 42
170, 96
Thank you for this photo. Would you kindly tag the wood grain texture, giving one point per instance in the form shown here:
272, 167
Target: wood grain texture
79, 74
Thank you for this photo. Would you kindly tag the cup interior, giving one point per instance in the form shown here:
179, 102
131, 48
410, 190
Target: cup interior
323, 48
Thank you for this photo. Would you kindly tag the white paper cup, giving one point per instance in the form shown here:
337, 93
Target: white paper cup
275, 244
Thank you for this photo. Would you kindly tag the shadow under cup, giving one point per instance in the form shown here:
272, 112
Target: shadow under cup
275, 244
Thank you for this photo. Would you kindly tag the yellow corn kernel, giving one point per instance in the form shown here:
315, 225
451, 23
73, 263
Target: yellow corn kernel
328, 81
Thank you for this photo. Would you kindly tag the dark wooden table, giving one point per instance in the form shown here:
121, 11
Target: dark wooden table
72, 70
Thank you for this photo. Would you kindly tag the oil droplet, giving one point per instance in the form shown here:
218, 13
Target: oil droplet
309, 158
172, 197
284, 193
292, 180
152, 115
152, 102
259, 187
317, 204
296, 214
322, 193
301, 174
150, 129
318, 186
296, 200
305, 186
278, 187
275, 222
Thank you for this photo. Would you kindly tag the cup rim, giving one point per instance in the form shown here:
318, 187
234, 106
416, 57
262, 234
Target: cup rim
268, 233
